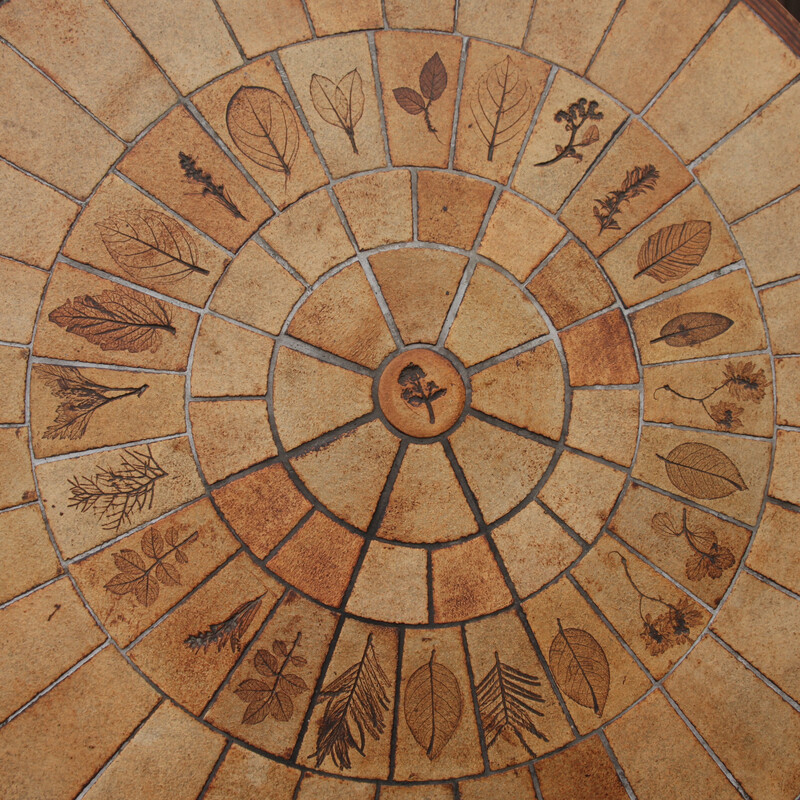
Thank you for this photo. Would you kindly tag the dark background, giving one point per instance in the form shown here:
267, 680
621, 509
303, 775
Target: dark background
793, 6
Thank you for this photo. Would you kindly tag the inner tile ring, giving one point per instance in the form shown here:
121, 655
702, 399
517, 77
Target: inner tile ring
421, 393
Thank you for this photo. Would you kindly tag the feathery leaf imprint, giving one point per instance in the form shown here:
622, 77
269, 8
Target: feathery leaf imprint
637, 181
702, 471
229, 631
693, 328
673, 251
580, 667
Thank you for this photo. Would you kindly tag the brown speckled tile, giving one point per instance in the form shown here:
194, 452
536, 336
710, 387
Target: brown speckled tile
437, 15
785, 480
504, 26
329, 17
589, 429
779, 304
259, 28
775, 547
515, 784
16, 475
244, 773
787, 388
13, 372
23, 287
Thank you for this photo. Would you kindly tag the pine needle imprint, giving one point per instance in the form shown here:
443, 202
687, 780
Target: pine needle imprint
115, 494
229, 631
81, 397
638, 181
215, 191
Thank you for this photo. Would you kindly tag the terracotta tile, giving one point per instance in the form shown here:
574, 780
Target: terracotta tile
730, 296
325, 787
600, 352
385, 569
244, 503
561, 608
329, 17
643, 47
683, 242
712, 688
479, 147
434, 791
545, 174
426, 503
501, 467
657, 620
437, 736
319, 559
785, 481
168, 479
375, 647
630, 160
343, 316
13, 373
128, 602
230, 436
506, 26
125, 233
570, 286
738, 493
780, 305
310, 236
45, 634
498, 644
230, 213
514, 785
87, 51
26, 554
78, 409
697, 549
451, 208
519, 236
581, 772
419, 286
760, 623
355, 143
66, 328
534, 548
563, 32
191, 676
756, 164
582, 492
22, 291
776, 546
259, 28
770, 241
526, 390
348, 475
187, 38
16, 477
299, 629
74, 729
787, 388
244, 774
244, 108
377, 207
36, 218
743, 403
682, 770
312, 397
257, 290
47, 134
229, 360
589, 423
403, 60
494, 316
466, 582
741, 65
171, 756
437, 15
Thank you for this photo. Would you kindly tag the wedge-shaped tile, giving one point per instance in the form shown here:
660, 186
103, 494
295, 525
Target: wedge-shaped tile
575, 123
501, 89
13, 373
333, 80
419, 80
481, 18
23, 287
16, 476
785, 480
776, 547
244, 774
134, 581
780, 306
316, 785
329, 17
589, 428
516, 784
259, 28
787, 387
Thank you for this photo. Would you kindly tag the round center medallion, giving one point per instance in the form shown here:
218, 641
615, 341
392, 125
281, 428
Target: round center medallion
421, 393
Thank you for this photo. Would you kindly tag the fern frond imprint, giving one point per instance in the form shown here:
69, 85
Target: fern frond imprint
229, 631
638, 181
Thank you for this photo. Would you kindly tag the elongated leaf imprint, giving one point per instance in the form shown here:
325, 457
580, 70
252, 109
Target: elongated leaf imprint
229, 631
500, 104
673, 251
116, 319
355, 706
580, 667
433, 704
150, 245
505, 702
264, 128
340, 104
702, 471
693, 328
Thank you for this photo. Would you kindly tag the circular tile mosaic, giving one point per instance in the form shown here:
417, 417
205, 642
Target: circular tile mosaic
399, 400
